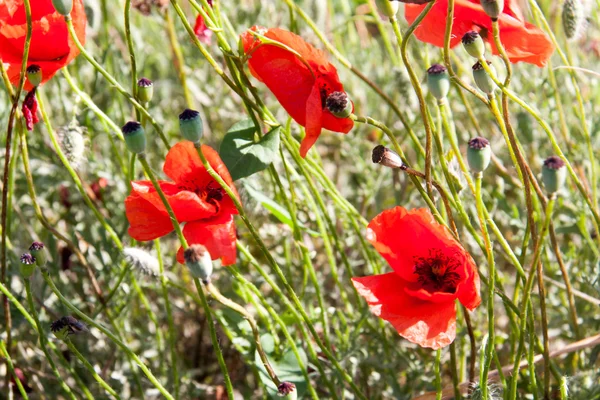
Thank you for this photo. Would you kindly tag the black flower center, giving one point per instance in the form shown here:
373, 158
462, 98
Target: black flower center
437, 273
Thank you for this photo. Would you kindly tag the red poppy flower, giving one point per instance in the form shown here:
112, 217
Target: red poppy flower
522, 40
301, 86
431, 270
196, 198
51, 47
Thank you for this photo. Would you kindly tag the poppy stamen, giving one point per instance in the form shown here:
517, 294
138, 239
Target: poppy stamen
437, 273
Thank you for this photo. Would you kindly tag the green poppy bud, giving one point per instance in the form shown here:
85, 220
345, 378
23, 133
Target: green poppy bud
554, 174
145, 90
438, 81
198, 261
387, 8
38, 251
386, 157
482, 79
573, 19
493, 8
34, 75
339, 104
191, 126
473, 44
63, 7
479, 154
28, 265
287, 390
135, 137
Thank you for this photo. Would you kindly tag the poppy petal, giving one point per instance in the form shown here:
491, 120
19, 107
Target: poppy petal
468, 291
314, 116
218, 235
528, 43
146, 221
427, 324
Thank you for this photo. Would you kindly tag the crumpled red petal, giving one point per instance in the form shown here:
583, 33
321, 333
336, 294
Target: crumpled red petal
146, 222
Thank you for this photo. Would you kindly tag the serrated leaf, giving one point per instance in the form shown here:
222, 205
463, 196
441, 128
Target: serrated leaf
244, 156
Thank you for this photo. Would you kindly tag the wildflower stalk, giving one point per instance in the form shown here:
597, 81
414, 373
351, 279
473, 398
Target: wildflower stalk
179, 60
127, 21
111, 336
5, 177
280, 274
526, 297
402, 44
91, 369
11, 369
44, 340
490, 345
438, 373
114, 82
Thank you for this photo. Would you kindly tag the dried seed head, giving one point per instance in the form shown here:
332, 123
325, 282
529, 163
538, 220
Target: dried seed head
493, 8
198, 261
73, 143
141, 260
339, 104
479, 154
34, 74
28, 265
63, 7
38, 251
438, 81
482, 79
473, 44
145, 90
386, 157
191, 126
135, 137
554, 174
574, 18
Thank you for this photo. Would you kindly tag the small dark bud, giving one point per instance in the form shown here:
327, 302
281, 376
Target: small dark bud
63, 7
28, 265
287, 389
66, 326
493, 8
339, 104
34, 74
438, 81
473, 44
479, 154
145, 90
37, 250
198, 261
386, 157
191, 126
554, 174
482, 79
135, 137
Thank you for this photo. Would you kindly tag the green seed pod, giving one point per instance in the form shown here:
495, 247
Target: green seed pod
479, 154
387, 8
135, 137
191, 126
28, 265
554, 174
63, 7
34, 75
473, 44
145, 90
198, 261
339, 104
438, 81
482, 79
38, 251
573, 19
493, 8
287, 390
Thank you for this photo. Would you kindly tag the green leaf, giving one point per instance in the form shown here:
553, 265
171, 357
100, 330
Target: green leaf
244, 156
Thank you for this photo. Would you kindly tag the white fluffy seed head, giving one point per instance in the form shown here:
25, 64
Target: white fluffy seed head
141, 260
73, 143
574, 18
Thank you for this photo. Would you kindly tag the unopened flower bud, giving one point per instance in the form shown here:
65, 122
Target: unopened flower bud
38, 251
554, 174
191, 126
493, 8
339, 104
386, 157
479, 154
473, 44
67, 326
438, 81
28, 265
34, 75
135, 137
63, 7
387, 8
482, 79
198, 261
145, 90
287, 390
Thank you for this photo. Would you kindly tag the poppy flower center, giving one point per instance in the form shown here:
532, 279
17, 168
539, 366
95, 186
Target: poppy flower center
437, 273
